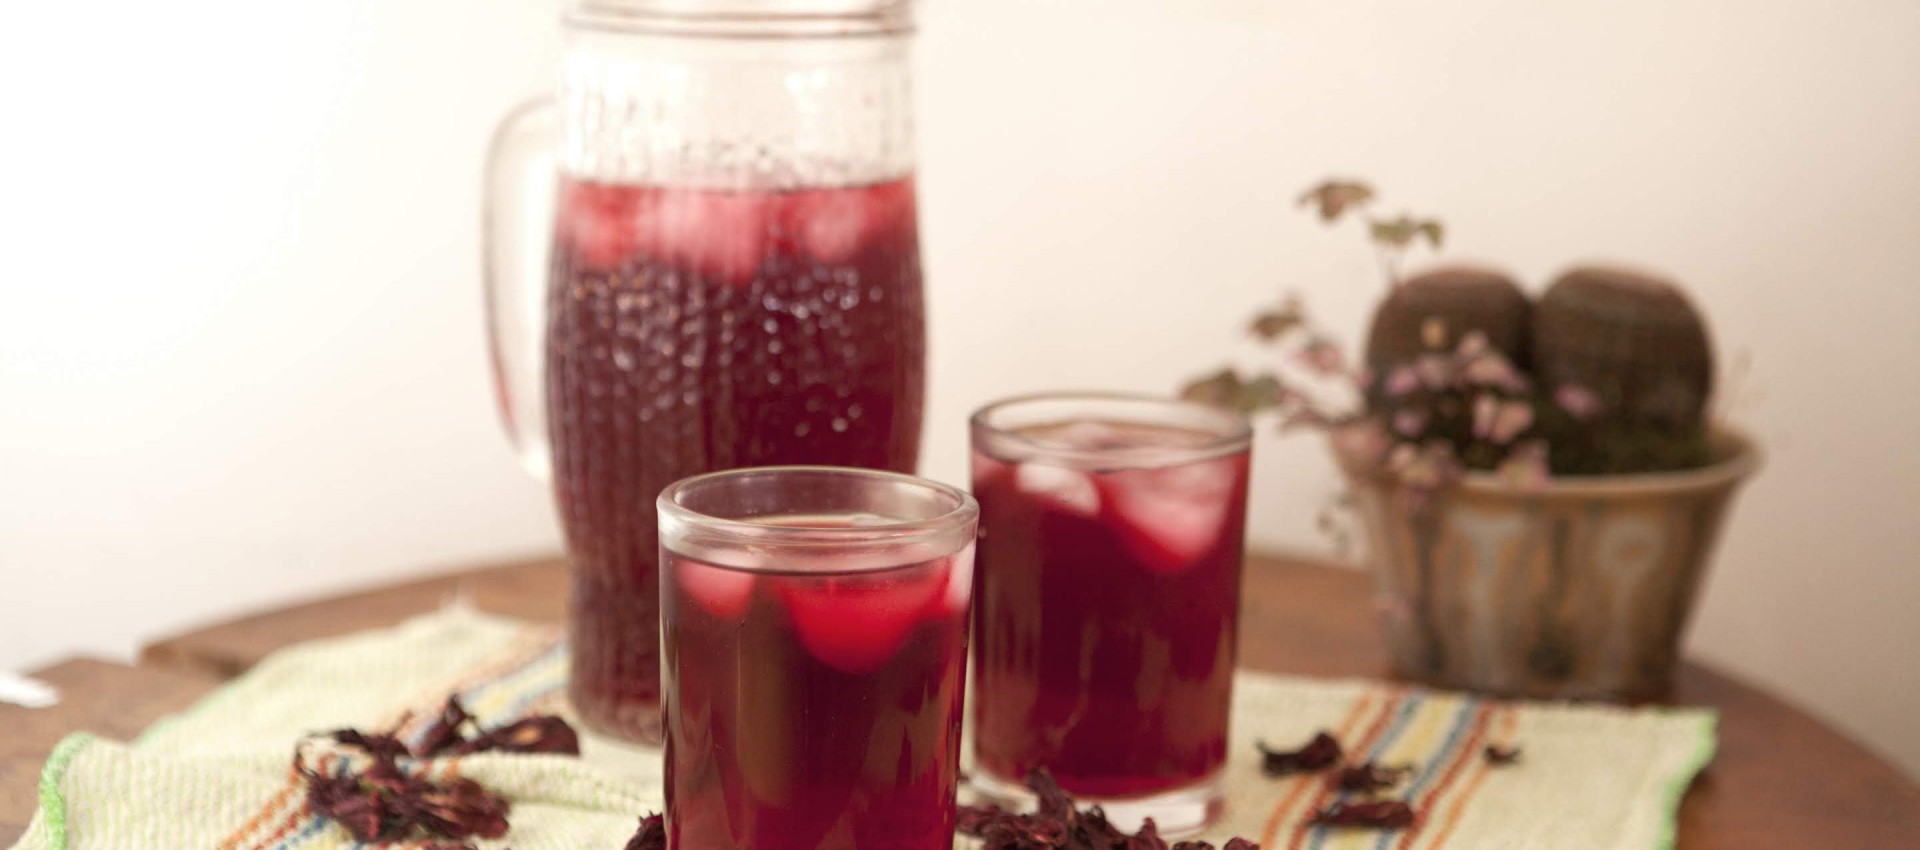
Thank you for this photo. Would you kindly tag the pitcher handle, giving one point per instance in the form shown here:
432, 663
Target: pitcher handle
517, 229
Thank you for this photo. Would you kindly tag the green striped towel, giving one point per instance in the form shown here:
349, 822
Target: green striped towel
218, 776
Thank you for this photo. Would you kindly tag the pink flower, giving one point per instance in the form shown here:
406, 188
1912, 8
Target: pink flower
1402, 380
1578, 401
1493, 370
1485, 407
1409, 423
1512, 418
1500, 421
1473, 345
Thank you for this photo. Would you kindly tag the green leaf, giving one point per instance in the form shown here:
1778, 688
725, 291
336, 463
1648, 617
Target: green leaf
1220, 389
1333, 198
1272, 324
1227, 389
1400, 232
1259, 394
1393, 232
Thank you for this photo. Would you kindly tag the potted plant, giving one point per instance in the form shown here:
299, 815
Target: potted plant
1539, 481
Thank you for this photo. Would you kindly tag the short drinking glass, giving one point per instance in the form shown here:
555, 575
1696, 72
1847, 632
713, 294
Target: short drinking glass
1110, 549
814, 640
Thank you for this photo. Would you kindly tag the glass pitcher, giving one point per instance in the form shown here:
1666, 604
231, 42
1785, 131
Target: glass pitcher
702, 254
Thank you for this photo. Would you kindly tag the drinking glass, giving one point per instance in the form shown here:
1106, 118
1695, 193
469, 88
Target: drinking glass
814, 641
1110, 557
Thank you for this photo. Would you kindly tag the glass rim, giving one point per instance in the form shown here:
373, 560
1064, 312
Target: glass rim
1233, 433
890, 533
654, 17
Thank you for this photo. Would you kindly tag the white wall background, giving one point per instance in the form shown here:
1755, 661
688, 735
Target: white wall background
240, 340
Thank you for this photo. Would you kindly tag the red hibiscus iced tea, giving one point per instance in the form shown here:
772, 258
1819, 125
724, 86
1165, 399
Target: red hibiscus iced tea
1110, 551
814, 655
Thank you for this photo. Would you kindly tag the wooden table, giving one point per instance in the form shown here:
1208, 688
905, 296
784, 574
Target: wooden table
1781, 779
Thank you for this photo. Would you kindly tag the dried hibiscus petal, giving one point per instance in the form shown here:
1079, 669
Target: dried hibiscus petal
538, 734
1367, 777
1053, 800
1500, 756
346, 799
1148, 838
970, 819
1058, 825
1375, 814
1232, 844
458, 809
445, 731
363, 814
1094, 830
376, 744
1024, 832
534, 734
1319, 754
652, 834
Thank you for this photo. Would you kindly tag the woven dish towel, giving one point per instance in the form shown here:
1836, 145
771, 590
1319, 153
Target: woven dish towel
218, 776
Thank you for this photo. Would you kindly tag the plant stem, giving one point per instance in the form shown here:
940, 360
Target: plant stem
1386, 257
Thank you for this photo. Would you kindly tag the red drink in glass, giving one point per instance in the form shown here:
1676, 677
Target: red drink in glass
1110, 552
814, 659
693, 330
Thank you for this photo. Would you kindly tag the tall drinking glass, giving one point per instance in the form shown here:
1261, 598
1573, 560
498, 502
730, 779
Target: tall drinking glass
814, 647
1110, 549
727, 274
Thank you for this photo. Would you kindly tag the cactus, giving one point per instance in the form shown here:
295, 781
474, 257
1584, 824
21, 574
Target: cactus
1609, 373
1638, 344
1432, 311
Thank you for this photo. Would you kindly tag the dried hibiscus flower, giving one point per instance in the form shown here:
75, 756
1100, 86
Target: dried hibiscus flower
652, 834
1319, 754
1232, 844
1367, 777
385, 803
534, 734
1375, 814
1058, 825
1500, 756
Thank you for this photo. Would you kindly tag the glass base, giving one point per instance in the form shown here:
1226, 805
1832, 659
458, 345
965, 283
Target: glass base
633, 721
1176, 813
